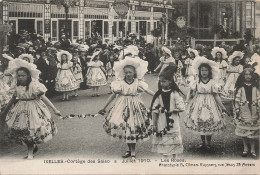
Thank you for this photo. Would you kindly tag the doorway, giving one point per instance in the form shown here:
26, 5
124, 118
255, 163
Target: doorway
96, 27
26, 24
62, 26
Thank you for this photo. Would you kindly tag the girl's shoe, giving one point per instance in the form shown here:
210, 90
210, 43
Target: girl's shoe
127, 154
132, 157
244, 153
63, 99
97, 95
26, 157
35, 149
253, 154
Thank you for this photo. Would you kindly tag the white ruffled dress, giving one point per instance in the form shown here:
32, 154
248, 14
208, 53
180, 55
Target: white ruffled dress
229, 88
65, 80
204, 116
30, 118
95, 76
127, 118
223, 73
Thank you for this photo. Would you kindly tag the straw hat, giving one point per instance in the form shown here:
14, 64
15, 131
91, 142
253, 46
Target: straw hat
223, 52
139, 65
63, 52
18, 63
200, 60
235, 54
196, 53
29, 56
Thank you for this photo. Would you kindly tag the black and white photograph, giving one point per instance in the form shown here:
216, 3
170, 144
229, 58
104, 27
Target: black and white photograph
129, 86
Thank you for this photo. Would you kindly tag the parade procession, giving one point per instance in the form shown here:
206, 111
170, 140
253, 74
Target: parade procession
129, 79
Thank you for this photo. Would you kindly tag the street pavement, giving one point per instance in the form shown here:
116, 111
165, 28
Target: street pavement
86, 138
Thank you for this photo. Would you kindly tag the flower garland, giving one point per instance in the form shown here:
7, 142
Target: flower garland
79, 116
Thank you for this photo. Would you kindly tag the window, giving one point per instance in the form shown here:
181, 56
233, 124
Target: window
106, 29
75, 28
137, 27
154, 25
54, 29
114, 29
122, 28
129, 27
39, 27
87, 28
149, 28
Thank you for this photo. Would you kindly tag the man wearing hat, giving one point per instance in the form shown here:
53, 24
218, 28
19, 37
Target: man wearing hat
64, 43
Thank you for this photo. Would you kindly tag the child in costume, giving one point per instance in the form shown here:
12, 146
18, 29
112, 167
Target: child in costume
247, 111
65, 79
77, 71
165, 60
188, 64
96, 74
204, 113
166, 105
219, 55
29, 121
127, 117
6, 82
233, 71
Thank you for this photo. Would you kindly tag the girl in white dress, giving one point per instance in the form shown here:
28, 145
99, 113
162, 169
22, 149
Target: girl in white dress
96, 74
77, 71
219, 55
189, 74
233, 71
204, 113
165, 60
29, 121
166, 105
127, 117
65, 79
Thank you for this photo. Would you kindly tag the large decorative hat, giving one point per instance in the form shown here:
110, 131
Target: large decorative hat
200, 60
7, 57
166, 50
235, 54
133, 50
223, 52
24, 56
196, 53
18, 63
139, 65
63, 52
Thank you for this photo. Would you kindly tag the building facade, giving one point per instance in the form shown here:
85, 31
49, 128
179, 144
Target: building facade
98, 16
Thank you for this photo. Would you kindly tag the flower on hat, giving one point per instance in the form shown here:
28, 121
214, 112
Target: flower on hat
139, 65
15, 64
235, 54
24, 56
7, 57
63, 52
196, 53
223, 52
200, 60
